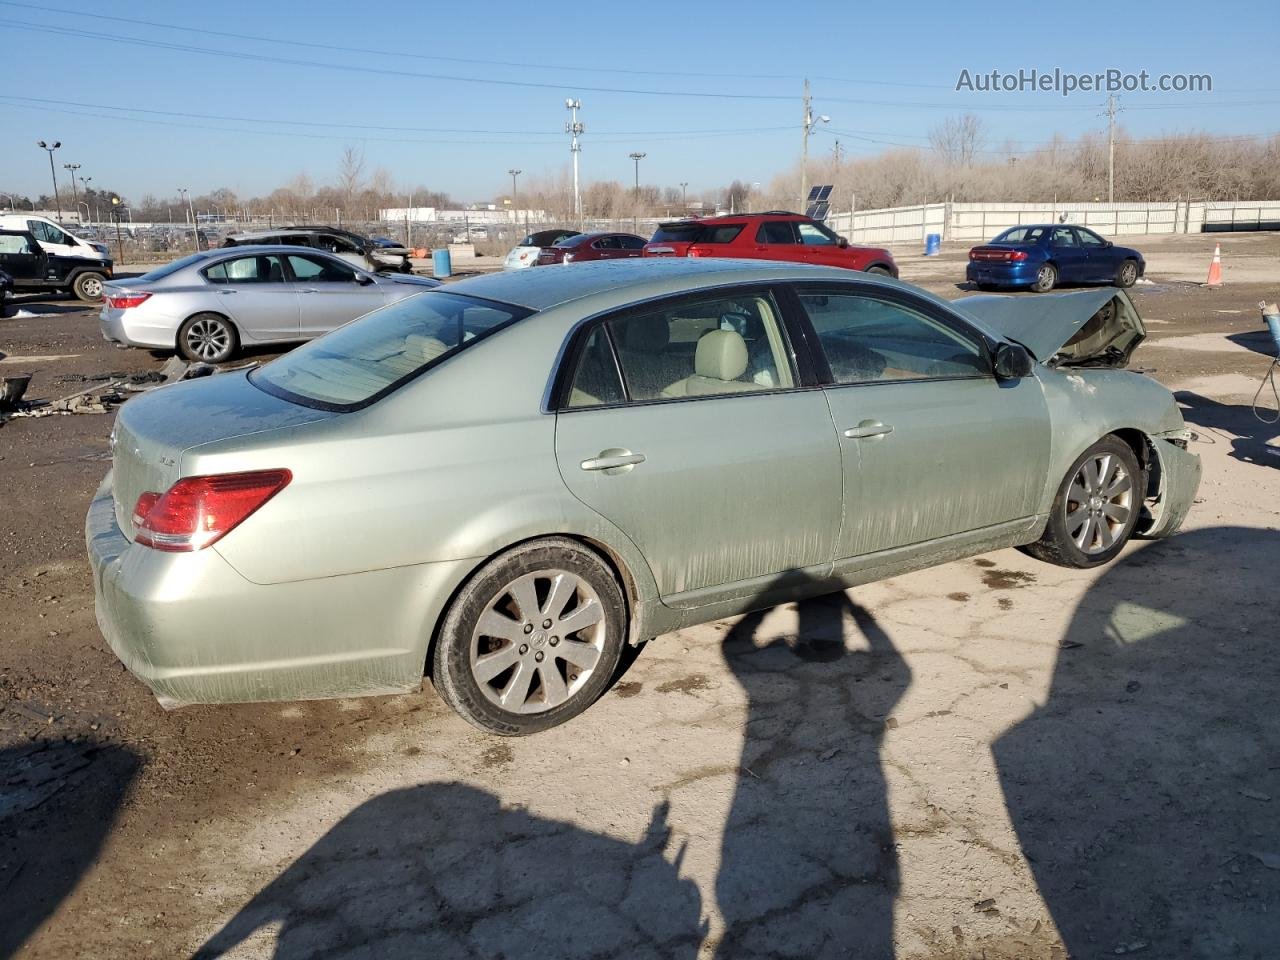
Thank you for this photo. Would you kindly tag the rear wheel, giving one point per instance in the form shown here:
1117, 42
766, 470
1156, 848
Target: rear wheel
207, 338
1127, 274
532, 640
88, 287
1096, 507
1046, 278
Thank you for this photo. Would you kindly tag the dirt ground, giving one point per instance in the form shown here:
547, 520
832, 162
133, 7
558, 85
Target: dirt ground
995, 758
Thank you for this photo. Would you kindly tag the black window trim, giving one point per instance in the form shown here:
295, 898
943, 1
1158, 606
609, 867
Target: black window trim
556, 397
902, 298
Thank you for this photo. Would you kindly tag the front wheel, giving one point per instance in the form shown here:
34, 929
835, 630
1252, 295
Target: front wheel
1046, 278
1096, 507
1127, 274
207, 338
533, 639
878, 271
88, 287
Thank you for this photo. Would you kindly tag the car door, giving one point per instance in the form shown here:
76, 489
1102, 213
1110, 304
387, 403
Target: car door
254, 292
708, 453
820, 246
775, 240
1070, 257
605, 248
330, 292
22, 258
933, 444
631, 246
54, 241
1099, 265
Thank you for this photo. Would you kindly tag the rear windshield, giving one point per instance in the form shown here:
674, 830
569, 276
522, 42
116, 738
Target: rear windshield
159, 273
363, 361
1021, 235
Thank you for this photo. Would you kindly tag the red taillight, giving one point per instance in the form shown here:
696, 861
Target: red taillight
198, 511
1018, 255
697, 251
126, 300
1001, 256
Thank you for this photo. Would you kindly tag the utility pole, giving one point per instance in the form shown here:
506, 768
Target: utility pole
515, 203
75, 194
809, 121
684, 197
635, 216
52, 172
575, 129
185, 194
1111, 148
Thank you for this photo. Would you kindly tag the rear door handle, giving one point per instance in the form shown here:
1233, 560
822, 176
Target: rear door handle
226, 293
309, 290
612, 459
868, 429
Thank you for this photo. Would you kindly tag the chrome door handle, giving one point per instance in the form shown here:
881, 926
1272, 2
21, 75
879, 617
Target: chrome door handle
309, 290
610, 460
226, 293
868, 429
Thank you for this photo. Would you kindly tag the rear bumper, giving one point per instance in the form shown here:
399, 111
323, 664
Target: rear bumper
132, 329
1002, 274
194, 630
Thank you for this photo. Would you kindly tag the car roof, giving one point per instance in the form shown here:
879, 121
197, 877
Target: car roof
283, 231
636, 279
738, 218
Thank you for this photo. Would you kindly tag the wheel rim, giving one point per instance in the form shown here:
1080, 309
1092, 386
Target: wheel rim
1045, 277
91, 286
1099, 503
1128, 273
538, 641
208, 339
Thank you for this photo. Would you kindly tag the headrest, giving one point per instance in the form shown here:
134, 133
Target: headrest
422, 349
721, 355
646, 334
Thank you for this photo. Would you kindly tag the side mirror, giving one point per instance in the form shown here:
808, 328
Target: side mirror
363, 279
1012, 362
842, 242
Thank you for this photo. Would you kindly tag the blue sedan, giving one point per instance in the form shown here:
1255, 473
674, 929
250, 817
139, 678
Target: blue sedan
1041, 256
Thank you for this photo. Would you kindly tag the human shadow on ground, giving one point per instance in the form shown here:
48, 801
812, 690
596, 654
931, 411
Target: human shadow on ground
442, 870
1249, 443
808, 863
58, 803
1259, 341
1145, 790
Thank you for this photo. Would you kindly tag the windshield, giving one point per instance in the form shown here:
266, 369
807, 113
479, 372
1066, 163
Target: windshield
370, 357
159, 273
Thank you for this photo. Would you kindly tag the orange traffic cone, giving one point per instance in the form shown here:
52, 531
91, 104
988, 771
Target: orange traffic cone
1215, 268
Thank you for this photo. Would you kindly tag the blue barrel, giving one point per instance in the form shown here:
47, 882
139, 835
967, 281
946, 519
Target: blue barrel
441, 264
932, 244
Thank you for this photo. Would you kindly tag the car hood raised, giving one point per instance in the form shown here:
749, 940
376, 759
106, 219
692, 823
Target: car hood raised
1084, 328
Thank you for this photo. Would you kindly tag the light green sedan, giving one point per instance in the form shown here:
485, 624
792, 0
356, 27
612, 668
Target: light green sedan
502, 483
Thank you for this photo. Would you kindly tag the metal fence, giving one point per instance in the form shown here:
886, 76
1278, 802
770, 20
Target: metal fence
982, 221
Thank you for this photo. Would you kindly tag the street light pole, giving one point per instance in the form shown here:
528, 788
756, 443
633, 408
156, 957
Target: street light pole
185, 194
515, 196
684, 196
52, 172
635, 216
75, 194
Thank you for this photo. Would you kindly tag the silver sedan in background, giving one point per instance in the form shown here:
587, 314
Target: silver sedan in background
210, 304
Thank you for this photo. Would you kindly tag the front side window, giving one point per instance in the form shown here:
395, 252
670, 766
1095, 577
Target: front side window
631, 243
369, 358
868, 340
1063, 237
48, 233
1089, 239
606, 243
708, 347
337, 244
812, 235
320, 269
778, 231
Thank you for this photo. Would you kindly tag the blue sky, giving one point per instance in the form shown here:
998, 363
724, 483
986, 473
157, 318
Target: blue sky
718, 84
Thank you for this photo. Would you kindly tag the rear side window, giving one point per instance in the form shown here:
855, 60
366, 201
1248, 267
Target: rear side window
722, 234
1021, 235
255, 269
369, 358
596, 381
14, 243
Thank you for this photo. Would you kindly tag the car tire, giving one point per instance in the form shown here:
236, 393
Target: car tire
518, 680
88, 287
207, 338
1127, 274
1046, 278
878, 271
1095, 509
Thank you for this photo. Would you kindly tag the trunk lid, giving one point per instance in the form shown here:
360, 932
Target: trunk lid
154, 429
1094, 328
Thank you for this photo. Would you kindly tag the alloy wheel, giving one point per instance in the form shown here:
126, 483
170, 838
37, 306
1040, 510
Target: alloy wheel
208, 339
538, 641
92, 287
1099, 503
1128, 274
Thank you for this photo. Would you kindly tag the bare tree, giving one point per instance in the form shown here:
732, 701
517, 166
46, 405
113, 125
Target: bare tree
957, 139
350, 172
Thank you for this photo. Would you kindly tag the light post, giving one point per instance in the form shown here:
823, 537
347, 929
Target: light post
684, 197
75, 194
185, 194
115, 215
52, 172
515, 202
635, 215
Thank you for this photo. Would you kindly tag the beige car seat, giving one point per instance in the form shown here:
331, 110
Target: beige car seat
719, 360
